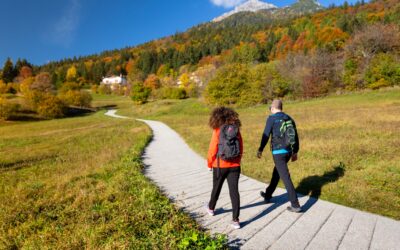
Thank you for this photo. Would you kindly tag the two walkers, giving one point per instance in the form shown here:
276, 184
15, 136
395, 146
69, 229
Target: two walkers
226, 150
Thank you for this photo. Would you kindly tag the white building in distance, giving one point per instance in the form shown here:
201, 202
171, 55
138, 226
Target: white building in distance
114, 80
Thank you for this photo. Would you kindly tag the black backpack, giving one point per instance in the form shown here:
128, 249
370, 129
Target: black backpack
228, 146
284, 133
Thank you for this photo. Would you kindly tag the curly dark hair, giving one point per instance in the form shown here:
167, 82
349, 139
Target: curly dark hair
223, 115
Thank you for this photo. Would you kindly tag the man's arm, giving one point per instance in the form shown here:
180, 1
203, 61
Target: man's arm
266, 134
297, 144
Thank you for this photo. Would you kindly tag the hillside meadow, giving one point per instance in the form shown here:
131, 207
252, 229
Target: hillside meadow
348, 152
76, 183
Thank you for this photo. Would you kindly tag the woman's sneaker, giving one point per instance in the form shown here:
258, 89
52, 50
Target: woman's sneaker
236, 224
266, 199
209, 211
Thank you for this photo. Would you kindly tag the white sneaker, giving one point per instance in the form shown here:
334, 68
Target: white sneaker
209, 211
236, 224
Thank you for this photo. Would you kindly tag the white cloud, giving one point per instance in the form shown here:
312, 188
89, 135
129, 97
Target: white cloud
64, 29
227, 3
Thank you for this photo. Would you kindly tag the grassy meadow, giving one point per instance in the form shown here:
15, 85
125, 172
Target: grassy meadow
349, 143
77, 183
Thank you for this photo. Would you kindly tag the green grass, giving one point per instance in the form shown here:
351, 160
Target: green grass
349, 145
77, 183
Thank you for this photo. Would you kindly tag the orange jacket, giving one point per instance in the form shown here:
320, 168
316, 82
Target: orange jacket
213, 150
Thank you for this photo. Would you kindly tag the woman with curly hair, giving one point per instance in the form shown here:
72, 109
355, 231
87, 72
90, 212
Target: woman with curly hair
224, 156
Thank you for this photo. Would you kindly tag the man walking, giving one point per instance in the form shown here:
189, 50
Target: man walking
284, 146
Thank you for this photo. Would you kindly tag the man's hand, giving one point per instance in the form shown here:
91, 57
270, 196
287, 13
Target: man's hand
259, 154
294, 157
210, 169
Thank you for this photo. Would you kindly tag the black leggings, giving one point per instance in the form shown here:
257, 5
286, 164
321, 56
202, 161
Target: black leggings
232, 175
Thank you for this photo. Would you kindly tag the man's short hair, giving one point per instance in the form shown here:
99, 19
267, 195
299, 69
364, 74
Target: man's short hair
277, 104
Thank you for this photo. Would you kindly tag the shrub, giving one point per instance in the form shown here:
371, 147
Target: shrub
3, 87
104, 89
7, 109
177, 93
350, 76
383, 71
50, 106
268, 83
152, 82
139, 93
25, 85
69, 86
229, 86
13, 87
80, 98
34, 97
192, 90
94, 88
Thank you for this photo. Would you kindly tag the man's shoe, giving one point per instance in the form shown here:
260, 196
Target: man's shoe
266, 199
294, 209
236, 224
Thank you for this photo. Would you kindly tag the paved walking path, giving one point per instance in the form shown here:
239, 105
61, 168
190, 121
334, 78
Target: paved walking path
112, 113
184, 178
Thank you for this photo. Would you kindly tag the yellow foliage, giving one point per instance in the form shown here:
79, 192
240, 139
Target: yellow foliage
3, 87
184, 79
25, 86
50, 106
260, 37
72, 73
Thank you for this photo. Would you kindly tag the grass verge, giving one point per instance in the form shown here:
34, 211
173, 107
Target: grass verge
77, 183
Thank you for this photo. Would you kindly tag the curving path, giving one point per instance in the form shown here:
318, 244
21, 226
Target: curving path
182, 175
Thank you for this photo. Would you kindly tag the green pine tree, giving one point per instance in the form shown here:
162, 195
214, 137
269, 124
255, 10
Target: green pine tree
8, 71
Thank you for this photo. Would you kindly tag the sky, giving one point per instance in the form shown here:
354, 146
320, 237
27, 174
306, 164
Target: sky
48, 30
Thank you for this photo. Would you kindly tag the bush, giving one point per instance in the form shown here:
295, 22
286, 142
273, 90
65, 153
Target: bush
229, 86
3, 87
50, 106
79, 98
69, 86
268, 83
173, 93
94, 88
104, 89
7, 109
139, 93
383, 71
34, 97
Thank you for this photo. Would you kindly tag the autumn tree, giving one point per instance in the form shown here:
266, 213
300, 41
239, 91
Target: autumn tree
152, 82
42, 83
25, 72
229, 86
140, 93
72, 74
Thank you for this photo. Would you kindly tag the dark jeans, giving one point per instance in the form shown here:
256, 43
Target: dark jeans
232, 175
281, 170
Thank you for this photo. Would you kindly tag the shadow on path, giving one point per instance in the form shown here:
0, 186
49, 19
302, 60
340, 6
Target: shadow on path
312, 185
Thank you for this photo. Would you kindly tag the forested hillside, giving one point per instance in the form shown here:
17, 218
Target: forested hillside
258, 55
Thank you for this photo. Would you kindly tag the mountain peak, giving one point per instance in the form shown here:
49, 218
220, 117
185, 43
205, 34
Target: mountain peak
249, 5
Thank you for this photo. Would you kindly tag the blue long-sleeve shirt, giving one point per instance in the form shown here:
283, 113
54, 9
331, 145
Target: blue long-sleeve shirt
276, 147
